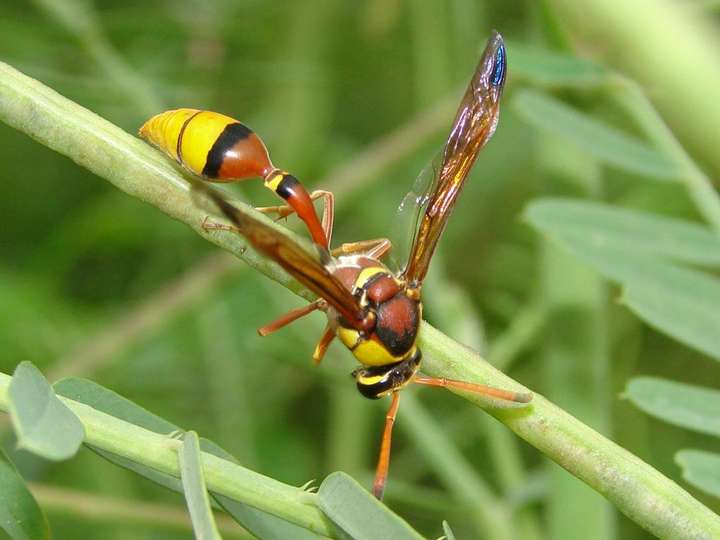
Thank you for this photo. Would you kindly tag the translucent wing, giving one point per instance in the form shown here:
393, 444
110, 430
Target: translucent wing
474, 124
405, 222
309, 267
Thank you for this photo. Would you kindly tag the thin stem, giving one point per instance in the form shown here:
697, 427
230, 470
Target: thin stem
160, 452
640, 492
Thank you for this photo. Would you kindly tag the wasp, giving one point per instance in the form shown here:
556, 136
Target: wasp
374, 312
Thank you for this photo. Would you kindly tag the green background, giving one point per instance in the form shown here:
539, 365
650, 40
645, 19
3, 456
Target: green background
96, 284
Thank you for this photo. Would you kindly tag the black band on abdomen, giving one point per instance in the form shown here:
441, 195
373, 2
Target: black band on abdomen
231, 135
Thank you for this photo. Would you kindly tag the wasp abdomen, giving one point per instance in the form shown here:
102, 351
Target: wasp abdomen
209, 144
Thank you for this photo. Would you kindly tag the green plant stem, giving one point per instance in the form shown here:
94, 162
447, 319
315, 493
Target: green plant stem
160, 452
638, 490
642, 493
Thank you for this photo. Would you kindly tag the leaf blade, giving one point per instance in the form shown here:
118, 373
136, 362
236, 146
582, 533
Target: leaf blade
358, 513
626, 230
43, 424
195, 490
685, 405
608, 144
20, 514
551, 69
701, 469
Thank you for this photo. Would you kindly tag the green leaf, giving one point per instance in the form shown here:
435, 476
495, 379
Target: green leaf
680, 302
701, 469
449, 535
685, 405
552, 69
196, 494
100, 398
358, 513
43, 424
20, 516
602, 225
600, 140
690, 313
260, 523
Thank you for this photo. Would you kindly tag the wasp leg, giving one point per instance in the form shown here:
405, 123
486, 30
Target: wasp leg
375, 248
283, 211
381, 472
291, 316
475, 388
323, 344
328, 213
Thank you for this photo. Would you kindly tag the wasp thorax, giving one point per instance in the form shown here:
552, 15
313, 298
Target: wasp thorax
378, 381
396, 316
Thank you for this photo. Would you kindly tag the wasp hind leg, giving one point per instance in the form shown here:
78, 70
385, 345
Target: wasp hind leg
328, 211
475, 388
285, 210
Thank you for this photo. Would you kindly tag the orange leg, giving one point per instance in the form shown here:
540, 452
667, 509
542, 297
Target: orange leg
328, 213
374, 248
381, 472
291, 316
284, 211
507, 395
323, 344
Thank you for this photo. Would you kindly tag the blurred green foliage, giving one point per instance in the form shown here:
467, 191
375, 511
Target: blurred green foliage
320, 80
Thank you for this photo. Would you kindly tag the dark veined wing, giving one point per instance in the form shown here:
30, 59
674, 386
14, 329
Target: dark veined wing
308, 267
474, 124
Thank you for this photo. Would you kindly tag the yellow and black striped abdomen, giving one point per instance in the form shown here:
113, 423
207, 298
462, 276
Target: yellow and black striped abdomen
209, 144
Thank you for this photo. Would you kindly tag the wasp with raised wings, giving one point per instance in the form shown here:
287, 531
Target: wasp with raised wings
374, 312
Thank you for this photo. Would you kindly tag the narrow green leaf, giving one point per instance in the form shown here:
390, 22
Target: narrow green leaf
196, 494
600, 140
20, 516
685, 405
100, 398
551, 69
358, 513
701, 469
449, 535
260, 523
43, 424
680, 302
626, 230
689, 314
